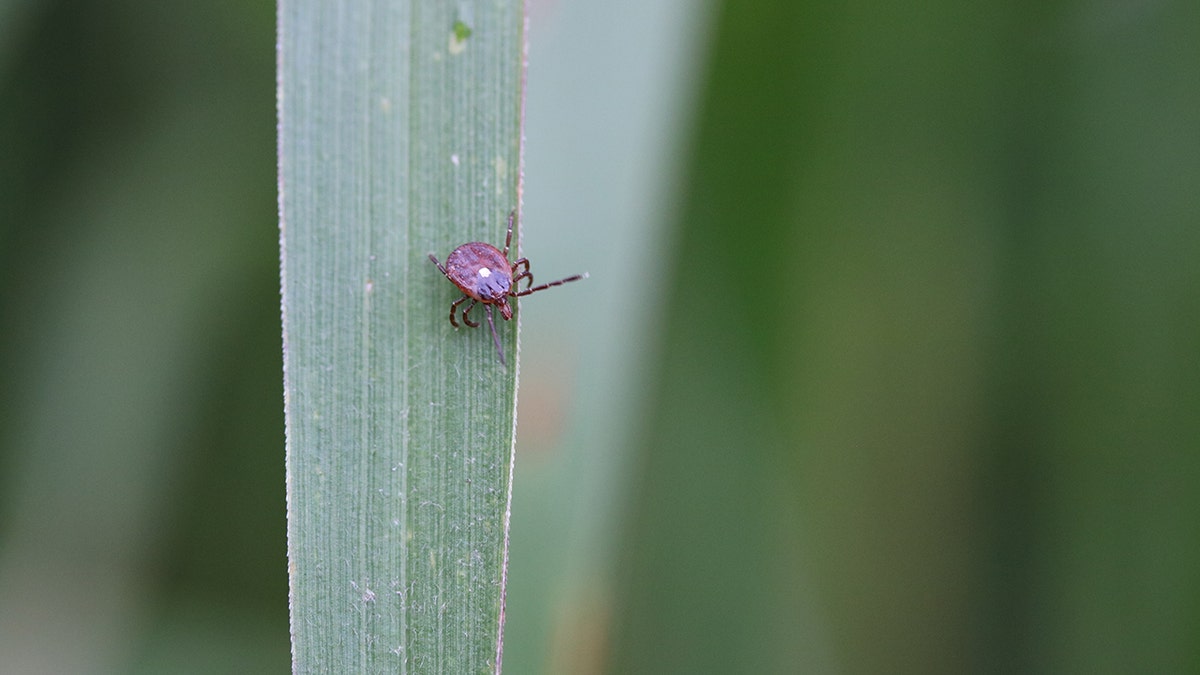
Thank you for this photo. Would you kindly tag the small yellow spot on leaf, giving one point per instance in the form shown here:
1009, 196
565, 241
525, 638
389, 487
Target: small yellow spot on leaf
458, 37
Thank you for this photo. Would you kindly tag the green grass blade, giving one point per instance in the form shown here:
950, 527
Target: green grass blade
399, 137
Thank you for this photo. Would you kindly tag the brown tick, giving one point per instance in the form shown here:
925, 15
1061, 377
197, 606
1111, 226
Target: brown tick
482, 272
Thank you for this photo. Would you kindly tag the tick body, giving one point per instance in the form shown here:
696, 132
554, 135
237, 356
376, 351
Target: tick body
484, 275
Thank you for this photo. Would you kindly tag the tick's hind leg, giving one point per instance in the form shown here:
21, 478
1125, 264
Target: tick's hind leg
512, 216
439, 266
454, 310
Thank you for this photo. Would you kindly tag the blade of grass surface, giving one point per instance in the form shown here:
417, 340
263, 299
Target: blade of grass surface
399, 137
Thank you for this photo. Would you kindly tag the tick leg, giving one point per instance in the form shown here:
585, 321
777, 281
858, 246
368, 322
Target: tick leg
543, 287
495, 338
526, 275
471, 306
454, 309
512, 215
439, 266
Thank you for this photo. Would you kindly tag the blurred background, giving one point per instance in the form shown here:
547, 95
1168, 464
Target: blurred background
889, 360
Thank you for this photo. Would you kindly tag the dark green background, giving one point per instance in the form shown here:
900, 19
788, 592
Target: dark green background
909, 380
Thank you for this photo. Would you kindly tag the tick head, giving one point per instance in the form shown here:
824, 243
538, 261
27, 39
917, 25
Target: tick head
505, 308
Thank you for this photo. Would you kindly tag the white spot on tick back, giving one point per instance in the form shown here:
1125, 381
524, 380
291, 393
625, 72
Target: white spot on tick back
485, 272
454, 160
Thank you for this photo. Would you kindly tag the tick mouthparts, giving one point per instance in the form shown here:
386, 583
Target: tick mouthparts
484, 274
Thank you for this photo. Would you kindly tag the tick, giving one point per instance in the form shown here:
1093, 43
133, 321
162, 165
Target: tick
483, 273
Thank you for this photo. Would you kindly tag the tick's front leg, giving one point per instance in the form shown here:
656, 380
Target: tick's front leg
517, 274
454, 310
465, 318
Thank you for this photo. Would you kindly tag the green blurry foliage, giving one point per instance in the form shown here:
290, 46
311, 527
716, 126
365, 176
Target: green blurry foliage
925, 398
140, 422
932, 406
